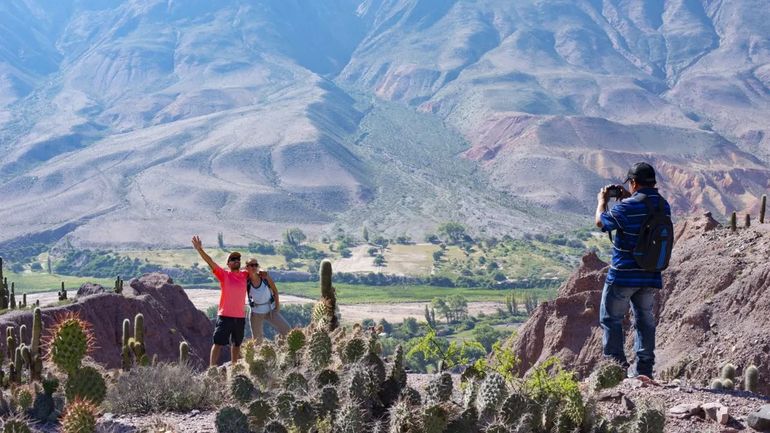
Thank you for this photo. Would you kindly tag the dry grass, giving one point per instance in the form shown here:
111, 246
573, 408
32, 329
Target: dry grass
163, 388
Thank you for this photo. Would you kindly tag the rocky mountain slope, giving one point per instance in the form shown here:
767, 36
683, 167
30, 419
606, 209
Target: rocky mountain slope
126, 122
712, 310
169, 318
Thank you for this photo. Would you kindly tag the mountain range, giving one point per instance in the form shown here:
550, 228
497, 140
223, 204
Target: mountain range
141, 122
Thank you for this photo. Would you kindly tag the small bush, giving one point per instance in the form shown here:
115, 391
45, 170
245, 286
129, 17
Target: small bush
165, 387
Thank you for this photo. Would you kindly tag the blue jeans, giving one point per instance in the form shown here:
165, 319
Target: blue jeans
615, 300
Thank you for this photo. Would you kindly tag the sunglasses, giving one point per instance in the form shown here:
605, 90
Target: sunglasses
235, 259
253, 265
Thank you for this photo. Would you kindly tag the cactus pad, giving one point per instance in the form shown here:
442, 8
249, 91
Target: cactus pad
79, 417
71, 339
86, 383
231, 420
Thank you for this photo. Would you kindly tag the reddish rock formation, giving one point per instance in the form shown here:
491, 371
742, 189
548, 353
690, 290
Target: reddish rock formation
169, 318
714, 308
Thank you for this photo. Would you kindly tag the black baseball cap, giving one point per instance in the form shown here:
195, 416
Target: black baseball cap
642, 173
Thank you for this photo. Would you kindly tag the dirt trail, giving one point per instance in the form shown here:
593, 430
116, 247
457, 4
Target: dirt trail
394, 313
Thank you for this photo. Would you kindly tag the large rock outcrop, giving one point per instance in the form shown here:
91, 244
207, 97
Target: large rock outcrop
714, 308
169, 318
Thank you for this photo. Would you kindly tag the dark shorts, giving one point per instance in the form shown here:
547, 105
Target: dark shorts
229, 330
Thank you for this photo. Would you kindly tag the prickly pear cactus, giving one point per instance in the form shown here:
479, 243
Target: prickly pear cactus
16, 425
241, 388
439, 388
303, 414
434, 418
648, 420
260, 411
295, 382
283, 403
295, 340
230, 419
259, 369
353, 350
402, 418
327, 377
514, 407
398, 371
320, 349
412, 395
607, 374
497, 426
275, 426
350, 418
491, 395
328, 401
79, 417
86, 383
71, 340
267, 352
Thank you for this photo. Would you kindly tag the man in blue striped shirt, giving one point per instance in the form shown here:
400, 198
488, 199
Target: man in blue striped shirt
626, 281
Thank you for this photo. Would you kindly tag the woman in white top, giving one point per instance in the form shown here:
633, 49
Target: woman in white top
263, 302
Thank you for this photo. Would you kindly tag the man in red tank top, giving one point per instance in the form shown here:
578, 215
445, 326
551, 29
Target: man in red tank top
231, 316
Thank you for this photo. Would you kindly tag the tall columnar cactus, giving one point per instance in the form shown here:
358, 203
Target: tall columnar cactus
13, 296
134, 345
17, 366
118, 285
80, 417
23, 300
10, 341
733, 222
125, 354
748, 221
184, 352
751, 378
762, 207
3, 298
36, 353
327, 305
62, 292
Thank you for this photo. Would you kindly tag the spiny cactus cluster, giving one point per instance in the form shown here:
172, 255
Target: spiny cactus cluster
133, 350
727, 378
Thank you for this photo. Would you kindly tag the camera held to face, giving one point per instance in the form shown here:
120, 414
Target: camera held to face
614, 191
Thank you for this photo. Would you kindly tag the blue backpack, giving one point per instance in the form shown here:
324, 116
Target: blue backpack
656, 238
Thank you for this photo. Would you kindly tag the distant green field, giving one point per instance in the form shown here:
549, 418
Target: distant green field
28, 282
361, 294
